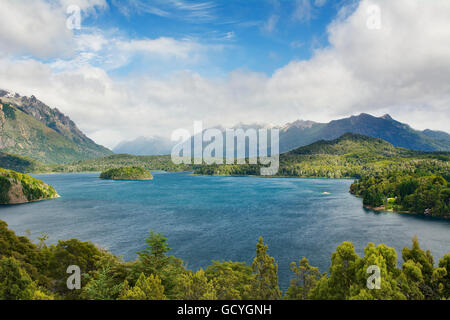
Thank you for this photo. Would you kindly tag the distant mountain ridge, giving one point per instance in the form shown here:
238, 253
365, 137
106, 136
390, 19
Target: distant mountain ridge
142, 146
32, 129
157, 145
385, 127
304, 132
439, 135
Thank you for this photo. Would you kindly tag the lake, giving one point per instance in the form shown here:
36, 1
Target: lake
220, 218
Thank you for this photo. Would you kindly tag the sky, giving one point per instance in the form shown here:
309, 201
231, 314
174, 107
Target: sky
134, 68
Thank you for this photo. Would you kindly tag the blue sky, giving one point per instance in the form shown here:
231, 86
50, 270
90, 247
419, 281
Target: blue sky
256, 35
146, 68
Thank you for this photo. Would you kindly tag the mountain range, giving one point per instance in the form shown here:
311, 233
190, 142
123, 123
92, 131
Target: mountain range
35, 132
143, 146
301, 133
32, 129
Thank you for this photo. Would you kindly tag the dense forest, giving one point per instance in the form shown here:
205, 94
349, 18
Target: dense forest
416, 193
123, 160
39, 272
350, 156
26, 165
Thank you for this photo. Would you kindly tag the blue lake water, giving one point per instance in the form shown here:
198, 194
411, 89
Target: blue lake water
220, 218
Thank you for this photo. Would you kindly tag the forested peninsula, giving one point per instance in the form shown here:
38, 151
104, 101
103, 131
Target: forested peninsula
16, 188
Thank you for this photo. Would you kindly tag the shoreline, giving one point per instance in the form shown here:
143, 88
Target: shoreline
377, 209
259, 176
383, 209
30, 201
147, 179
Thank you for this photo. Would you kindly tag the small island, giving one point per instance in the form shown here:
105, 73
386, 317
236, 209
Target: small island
16, 188
127, 173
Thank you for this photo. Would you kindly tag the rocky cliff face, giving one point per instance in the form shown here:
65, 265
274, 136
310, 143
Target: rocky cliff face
20, 132
52, 118
18, 188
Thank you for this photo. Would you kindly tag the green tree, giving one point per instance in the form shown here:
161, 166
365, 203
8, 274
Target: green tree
105, 283
71, 252
154, 260
195, 286
411, 280
15, 283
305, 280
445, 280
232, 280
146, 288
41, 295
265, 284
31, 259
424, 261
342, 274
102, 287
385, 259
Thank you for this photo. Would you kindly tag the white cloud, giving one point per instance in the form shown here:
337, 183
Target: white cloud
38, 28
402, 69
162, 46
111, 51
183, 10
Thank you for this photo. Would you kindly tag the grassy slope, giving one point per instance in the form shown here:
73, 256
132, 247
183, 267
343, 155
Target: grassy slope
19, 163
57, 121
23, 135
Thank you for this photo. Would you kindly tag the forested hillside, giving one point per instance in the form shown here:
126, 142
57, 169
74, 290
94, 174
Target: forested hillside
32, 129
122, 160
31, 271
350, 156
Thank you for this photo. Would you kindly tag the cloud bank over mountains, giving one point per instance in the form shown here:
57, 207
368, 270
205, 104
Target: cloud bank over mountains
401, 68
